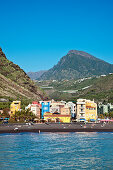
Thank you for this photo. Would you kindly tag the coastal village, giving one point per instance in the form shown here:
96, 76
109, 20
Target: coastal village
61, 111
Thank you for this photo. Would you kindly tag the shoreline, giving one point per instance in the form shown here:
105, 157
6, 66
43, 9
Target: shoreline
56, 131
71, 127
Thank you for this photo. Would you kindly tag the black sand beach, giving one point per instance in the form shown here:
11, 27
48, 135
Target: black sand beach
52, 127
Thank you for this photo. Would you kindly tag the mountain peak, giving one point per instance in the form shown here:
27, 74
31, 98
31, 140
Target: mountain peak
77, 64
82, 53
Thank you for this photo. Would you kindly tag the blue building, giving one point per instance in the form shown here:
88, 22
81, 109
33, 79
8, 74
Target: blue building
45, 108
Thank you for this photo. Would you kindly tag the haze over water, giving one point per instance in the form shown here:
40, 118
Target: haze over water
56, 151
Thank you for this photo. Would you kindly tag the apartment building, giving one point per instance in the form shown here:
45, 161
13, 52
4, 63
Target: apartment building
35, 108
55, 107
65, 110
59, 112
105, 108
45, 105
15, 106
72, 107
86, 110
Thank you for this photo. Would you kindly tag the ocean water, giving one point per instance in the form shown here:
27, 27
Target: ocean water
56, 151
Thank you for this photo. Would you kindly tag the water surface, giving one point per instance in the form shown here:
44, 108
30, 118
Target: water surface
56, 151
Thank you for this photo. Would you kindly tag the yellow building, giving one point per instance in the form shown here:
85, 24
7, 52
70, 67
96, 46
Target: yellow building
15, 106
86, 110
91, 110
51, 117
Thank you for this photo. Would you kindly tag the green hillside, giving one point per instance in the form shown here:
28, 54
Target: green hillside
14, 82
99, 88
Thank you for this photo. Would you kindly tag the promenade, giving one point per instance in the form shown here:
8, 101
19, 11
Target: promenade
52, 127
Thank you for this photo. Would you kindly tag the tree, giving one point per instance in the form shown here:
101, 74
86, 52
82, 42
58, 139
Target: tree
111, 114
101, 116
6, 113
24, 115
106, 114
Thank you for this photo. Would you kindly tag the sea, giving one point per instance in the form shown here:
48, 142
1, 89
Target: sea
30, 151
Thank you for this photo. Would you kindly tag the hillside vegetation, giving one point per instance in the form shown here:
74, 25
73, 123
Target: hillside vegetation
15, 83
99, 88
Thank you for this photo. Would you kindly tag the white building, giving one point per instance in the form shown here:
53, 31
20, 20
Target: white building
72, 107
34, 108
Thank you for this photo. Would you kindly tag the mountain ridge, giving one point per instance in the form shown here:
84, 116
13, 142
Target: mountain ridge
77, 64
35, 75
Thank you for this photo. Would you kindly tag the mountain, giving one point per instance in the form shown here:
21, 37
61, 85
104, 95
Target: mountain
35, 75
77, 64
14, 82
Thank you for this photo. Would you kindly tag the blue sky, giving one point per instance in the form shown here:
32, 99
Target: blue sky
35, 34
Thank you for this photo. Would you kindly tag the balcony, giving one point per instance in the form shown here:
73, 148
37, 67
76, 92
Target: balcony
81, 103
82, 107
82, 112
82, 117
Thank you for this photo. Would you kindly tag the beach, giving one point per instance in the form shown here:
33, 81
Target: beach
54, 127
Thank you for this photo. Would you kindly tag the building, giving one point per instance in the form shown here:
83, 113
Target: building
35, 102
60, 112
35, 108
28, 107
45, 107
55, 107
102, 108
65, 110
51, 117
15, 106
72, 107
86, 110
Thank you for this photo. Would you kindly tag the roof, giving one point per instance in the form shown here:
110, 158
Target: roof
34, 102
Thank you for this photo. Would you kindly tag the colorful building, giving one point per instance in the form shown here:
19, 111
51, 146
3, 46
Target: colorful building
65, 110
59, 112
55, 107
35, 108
86, 110
91, 110
51, 117
45, 107
15, 106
